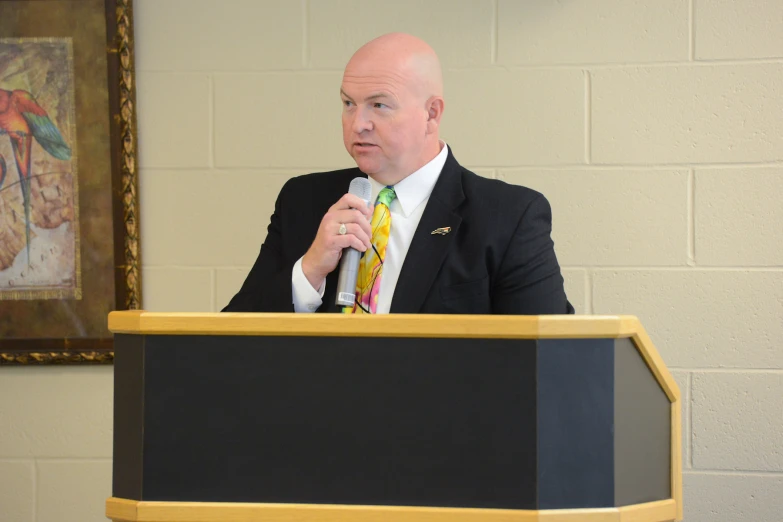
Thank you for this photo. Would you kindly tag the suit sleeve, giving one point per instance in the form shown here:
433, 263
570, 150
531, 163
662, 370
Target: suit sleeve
268, 285
529, 281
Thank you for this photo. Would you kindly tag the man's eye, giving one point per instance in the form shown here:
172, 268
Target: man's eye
379, 105
347, 103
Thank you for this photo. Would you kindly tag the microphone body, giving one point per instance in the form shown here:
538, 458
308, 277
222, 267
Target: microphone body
349, 262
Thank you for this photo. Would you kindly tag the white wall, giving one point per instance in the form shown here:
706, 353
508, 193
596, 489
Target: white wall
653, 126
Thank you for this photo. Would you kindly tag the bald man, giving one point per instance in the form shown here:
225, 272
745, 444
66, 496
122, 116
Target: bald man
454, 242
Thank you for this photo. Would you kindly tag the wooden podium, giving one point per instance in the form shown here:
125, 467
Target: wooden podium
425, 418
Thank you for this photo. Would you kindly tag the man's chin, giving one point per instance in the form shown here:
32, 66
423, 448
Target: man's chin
368, 167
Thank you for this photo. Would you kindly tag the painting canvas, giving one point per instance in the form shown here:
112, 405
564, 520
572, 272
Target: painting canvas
39, 225
68, 208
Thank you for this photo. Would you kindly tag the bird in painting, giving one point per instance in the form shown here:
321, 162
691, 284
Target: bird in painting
22, 119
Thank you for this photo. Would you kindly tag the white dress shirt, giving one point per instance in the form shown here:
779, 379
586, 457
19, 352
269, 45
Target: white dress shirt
413, 193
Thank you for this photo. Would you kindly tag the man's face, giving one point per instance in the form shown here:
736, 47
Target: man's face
384, 121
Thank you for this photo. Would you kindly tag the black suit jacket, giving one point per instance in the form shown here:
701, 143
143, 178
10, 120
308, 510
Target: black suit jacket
498, 258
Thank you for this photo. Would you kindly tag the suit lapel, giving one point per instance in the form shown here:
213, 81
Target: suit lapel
427, 251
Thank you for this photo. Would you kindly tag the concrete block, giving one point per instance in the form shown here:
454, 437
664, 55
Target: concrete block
687, 114
276, 120
228, 35
737, 421
701, 318
732, 498
339, 27
219, 219
173, 120
739, 217
73, 491
576, 287
613, 217
730, 30
17, 490
168, 289
53, 411
229, 281
501, 118
533, 33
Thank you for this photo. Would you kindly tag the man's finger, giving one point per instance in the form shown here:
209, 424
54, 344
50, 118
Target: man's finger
351, 201
341, 242
351, 215
358, 231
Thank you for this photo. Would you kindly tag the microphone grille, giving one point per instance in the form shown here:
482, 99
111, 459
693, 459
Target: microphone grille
361, 187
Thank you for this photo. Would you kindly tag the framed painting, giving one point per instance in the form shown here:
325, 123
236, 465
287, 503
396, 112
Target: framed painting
69, 233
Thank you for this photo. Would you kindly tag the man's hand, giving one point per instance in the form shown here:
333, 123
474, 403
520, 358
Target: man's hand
327, 248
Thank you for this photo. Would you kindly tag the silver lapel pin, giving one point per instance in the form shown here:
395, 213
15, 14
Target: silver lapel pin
441, 231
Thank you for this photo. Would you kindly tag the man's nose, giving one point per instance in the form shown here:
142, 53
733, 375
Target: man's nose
361, 122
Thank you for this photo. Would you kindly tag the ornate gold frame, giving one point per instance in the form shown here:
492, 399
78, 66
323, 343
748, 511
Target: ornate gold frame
125, 204
127, 123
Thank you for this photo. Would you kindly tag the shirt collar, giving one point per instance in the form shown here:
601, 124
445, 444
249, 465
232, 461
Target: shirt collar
416, 188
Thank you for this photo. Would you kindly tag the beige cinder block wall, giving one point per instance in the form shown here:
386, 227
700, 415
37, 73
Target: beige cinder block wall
653, 126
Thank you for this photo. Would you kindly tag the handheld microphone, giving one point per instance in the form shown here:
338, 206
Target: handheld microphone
349, 262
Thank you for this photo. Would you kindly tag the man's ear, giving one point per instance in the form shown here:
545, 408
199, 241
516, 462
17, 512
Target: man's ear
435, 107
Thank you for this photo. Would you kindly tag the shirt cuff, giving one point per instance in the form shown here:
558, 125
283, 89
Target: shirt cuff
306, 298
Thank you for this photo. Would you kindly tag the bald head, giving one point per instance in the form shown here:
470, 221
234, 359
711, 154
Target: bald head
405, 55
393, 101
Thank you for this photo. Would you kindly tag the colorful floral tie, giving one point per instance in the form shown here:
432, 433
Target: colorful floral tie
371, 266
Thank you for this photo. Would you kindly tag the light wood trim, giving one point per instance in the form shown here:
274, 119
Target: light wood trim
121, 510
126, 321
676, 445
666, 381
391, 325
582, 515
239, 512
586, 326
664, 510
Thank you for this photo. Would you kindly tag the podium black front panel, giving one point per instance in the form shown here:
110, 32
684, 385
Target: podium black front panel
483, 423
414, 422
643, 425
575, 423
128, 429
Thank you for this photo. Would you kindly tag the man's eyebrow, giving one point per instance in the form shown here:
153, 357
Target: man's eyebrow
370, 97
